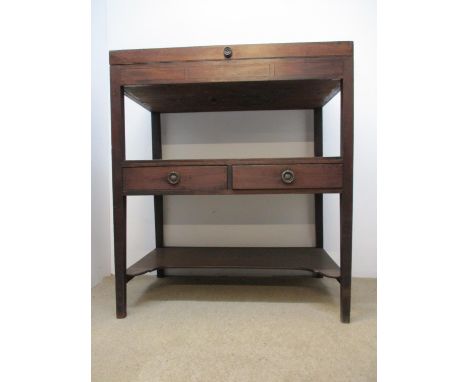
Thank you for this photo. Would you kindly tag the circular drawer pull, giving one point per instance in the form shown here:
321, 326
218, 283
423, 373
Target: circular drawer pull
287, 176
227, 52
173, 177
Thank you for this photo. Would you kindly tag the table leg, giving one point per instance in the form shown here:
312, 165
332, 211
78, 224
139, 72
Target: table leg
119, 199
346, 198
158, 199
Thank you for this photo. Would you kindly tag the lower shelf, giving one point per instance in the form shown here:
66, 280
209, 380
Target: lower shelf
315, 260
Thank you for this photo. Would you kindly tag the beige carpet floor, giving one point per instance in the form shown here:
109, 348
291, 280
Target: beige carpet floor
234, 329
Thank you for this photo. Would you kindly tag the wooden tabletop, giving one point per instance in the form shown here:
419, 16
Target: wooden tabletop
239, 52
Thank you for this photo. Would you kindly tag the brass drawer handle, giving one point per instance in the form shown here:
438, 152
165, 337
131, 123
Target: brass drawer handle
287, 176
227, 52
173, 177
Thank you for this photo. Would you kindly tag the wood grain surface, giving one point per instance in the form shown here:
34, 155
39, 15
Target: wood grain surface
239, 52
264, 177
298, 258
192, 178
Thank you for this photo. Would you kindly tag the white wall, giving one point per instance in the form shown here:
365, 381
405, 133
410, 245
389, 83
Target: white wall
100, 147
252, 220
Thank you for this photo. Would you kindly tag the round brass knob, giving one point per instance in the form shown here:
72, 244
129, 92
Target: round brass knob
173, 177
227, 52
287, 176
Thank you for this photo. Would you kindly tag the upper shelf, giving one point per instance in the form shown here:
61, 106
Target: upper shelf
238, 77
278, 95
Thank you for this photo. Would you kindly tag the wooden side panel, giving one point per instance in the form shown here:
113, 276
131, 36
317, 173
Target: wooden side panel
192, 179
266, 177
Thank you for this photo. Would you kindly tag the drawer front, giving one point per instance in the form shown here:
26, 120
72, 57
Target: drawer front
298, 176
175, 179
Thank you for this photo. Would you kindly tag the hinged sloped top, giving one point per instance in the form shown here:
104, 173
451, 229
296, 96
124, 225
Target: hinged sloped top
239, 52
235, 77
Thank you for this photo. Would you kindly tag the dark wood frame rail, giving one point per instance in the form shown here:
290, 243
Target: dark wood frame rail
227, 78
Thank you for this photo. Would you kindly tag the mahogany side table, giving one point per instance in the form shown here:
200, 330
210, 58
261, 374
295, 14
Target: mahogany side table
228, 78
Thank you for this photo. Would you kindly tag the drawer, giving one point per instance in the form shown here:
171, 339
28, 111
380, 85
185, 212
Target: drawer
296, 176
174, 179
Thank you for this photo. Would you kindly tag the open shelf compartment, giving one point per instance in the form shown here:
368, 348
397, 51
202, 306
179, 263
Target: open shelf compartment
234, 96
